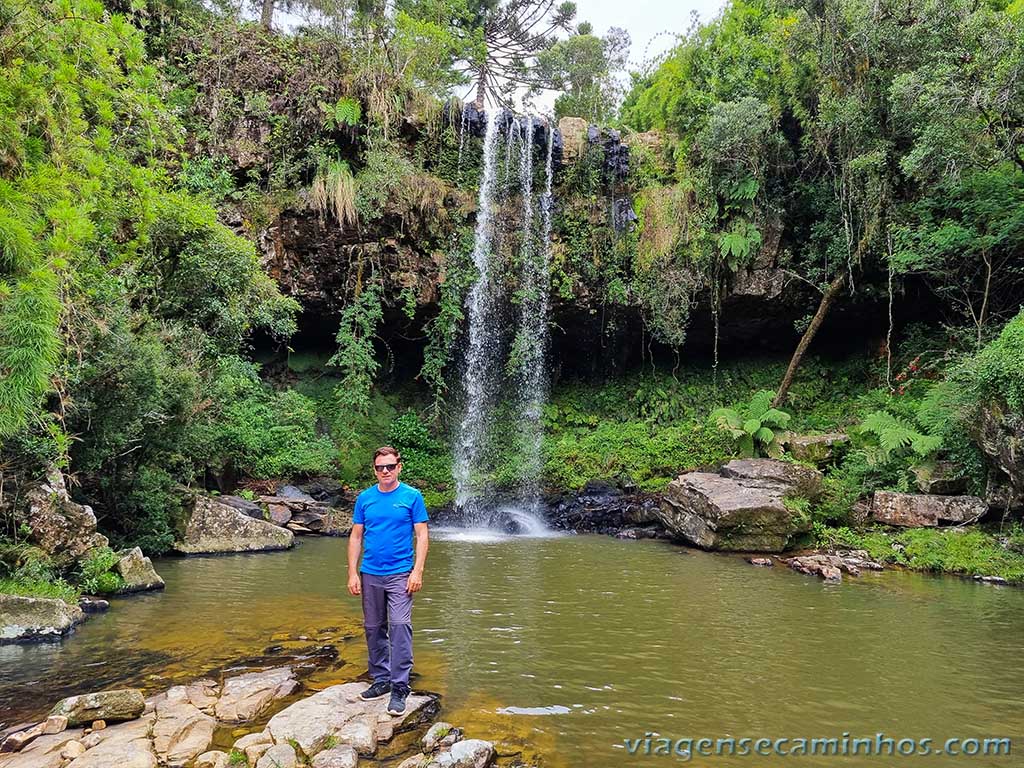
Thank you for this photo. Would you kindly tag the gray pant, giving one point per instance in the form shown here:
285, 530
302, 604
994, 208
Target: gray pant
387, 617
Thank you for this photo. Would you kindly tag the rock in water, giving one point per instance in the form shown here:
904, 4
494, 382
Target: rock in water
914, 510
137, 571
111, 706
216, 527
34, 619
246, 696
742, 507
472, 753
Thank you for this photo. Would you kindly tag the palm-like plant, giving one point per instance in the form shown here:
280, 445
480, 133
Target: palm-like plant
755, 427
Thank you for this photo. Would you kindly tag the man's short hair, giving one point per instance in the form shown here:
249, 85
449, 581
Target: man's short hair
387, 450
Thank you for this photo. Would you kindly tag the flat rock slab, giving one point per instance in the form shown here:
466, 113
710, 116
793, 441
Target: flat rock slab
127, 745
44, 752
36, 619
339, 712
182, 731
246, 696
914, 510
216, 527
740, 508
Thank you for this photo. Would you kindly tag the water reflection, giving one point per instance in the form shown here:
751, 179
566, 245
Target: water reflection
574, 644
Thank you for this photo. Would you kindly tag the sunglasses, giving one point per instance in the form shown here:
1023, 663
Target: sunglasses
385, 467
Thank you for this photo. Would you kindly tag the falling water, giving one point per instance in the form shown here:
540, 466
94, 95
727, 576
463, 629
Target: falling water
533, 328
506, 175
479, 372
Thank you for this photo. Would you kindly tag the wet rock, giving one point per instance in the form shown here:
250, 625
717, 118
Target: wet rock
817, 449
182, 731
111, 706
137, 571
601, 507
337, 757
279, 756
472, 753
339, 712
912, 510
831, 565
246, 696
762, 562
64, 530
217, 527
940, 477
742, 507
991, 579
213, 759
36, 619
437, 731
93, 604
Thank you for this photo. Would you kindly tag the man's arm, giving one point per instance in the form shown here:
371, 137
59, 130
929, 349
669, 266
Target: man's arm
355, 549
415, 581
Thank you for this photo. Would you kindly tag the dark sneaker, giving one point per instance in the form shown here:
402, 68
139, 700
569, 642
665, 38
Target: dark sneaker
375, 691
399, 693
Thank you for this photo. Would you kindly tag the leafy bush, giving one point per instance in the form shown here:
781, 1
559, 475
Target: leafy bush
755, 427
25, 570
95, 575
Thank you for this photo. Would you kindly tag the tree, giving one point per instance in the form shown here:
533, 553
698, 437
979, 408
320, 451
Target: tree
585, 67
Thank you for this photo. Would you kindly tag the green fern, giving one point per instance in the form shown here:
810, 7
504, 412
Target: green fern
754, 427
896, 435
347, 112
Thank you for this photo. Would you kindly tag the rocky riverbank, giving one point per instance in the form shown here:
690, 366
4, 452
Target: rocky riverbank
262, 719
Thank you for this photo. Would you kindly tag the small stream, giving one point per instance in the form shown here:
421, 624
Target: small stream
573, 644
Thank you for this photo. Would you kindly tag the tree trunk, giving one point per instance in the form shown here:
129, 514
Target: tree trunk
268, 14
826, 301
481, 88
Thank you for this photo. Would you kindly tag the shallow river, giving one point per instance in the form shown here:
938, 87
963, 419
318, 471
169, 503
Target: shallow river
575, 644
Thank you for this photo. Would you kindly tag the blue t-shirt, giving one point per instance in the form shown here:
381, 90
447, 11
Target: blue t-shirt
388, 519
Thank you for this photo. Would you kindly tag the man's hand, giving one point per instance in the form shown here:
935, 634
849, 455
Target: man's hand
415, 582
355, 584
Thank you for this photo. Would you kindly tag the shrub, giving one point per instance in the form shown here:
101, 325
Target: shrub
95, 574
754, 427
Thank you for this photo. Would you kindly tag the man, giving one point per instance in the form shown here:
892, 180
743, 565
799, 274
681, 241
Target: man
386, 517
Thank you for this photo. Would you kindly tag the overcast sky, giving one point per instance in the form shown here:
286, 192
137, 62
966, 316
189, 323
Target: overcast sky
652, 24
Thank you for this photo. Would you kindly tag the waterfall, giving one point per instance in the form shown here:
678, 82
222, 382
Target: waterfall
479, 371
494, 313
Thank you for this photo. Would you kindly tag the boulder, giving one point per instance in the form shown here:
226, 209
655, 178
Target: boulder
574, 132
217, 527
336, 522
337, 757
435, 734
291, 492
61, 528
279, 756
279, 514
914, 510
137, 571
1000, 434
472, 753
35, 619
338, 712
831, 565
182, 731
742, 507
940, 477
816, 449
111, 706
253, 746
246, 696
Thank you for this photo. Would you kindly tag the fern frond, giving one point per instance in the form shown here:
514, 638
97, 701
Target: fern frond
760, 403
